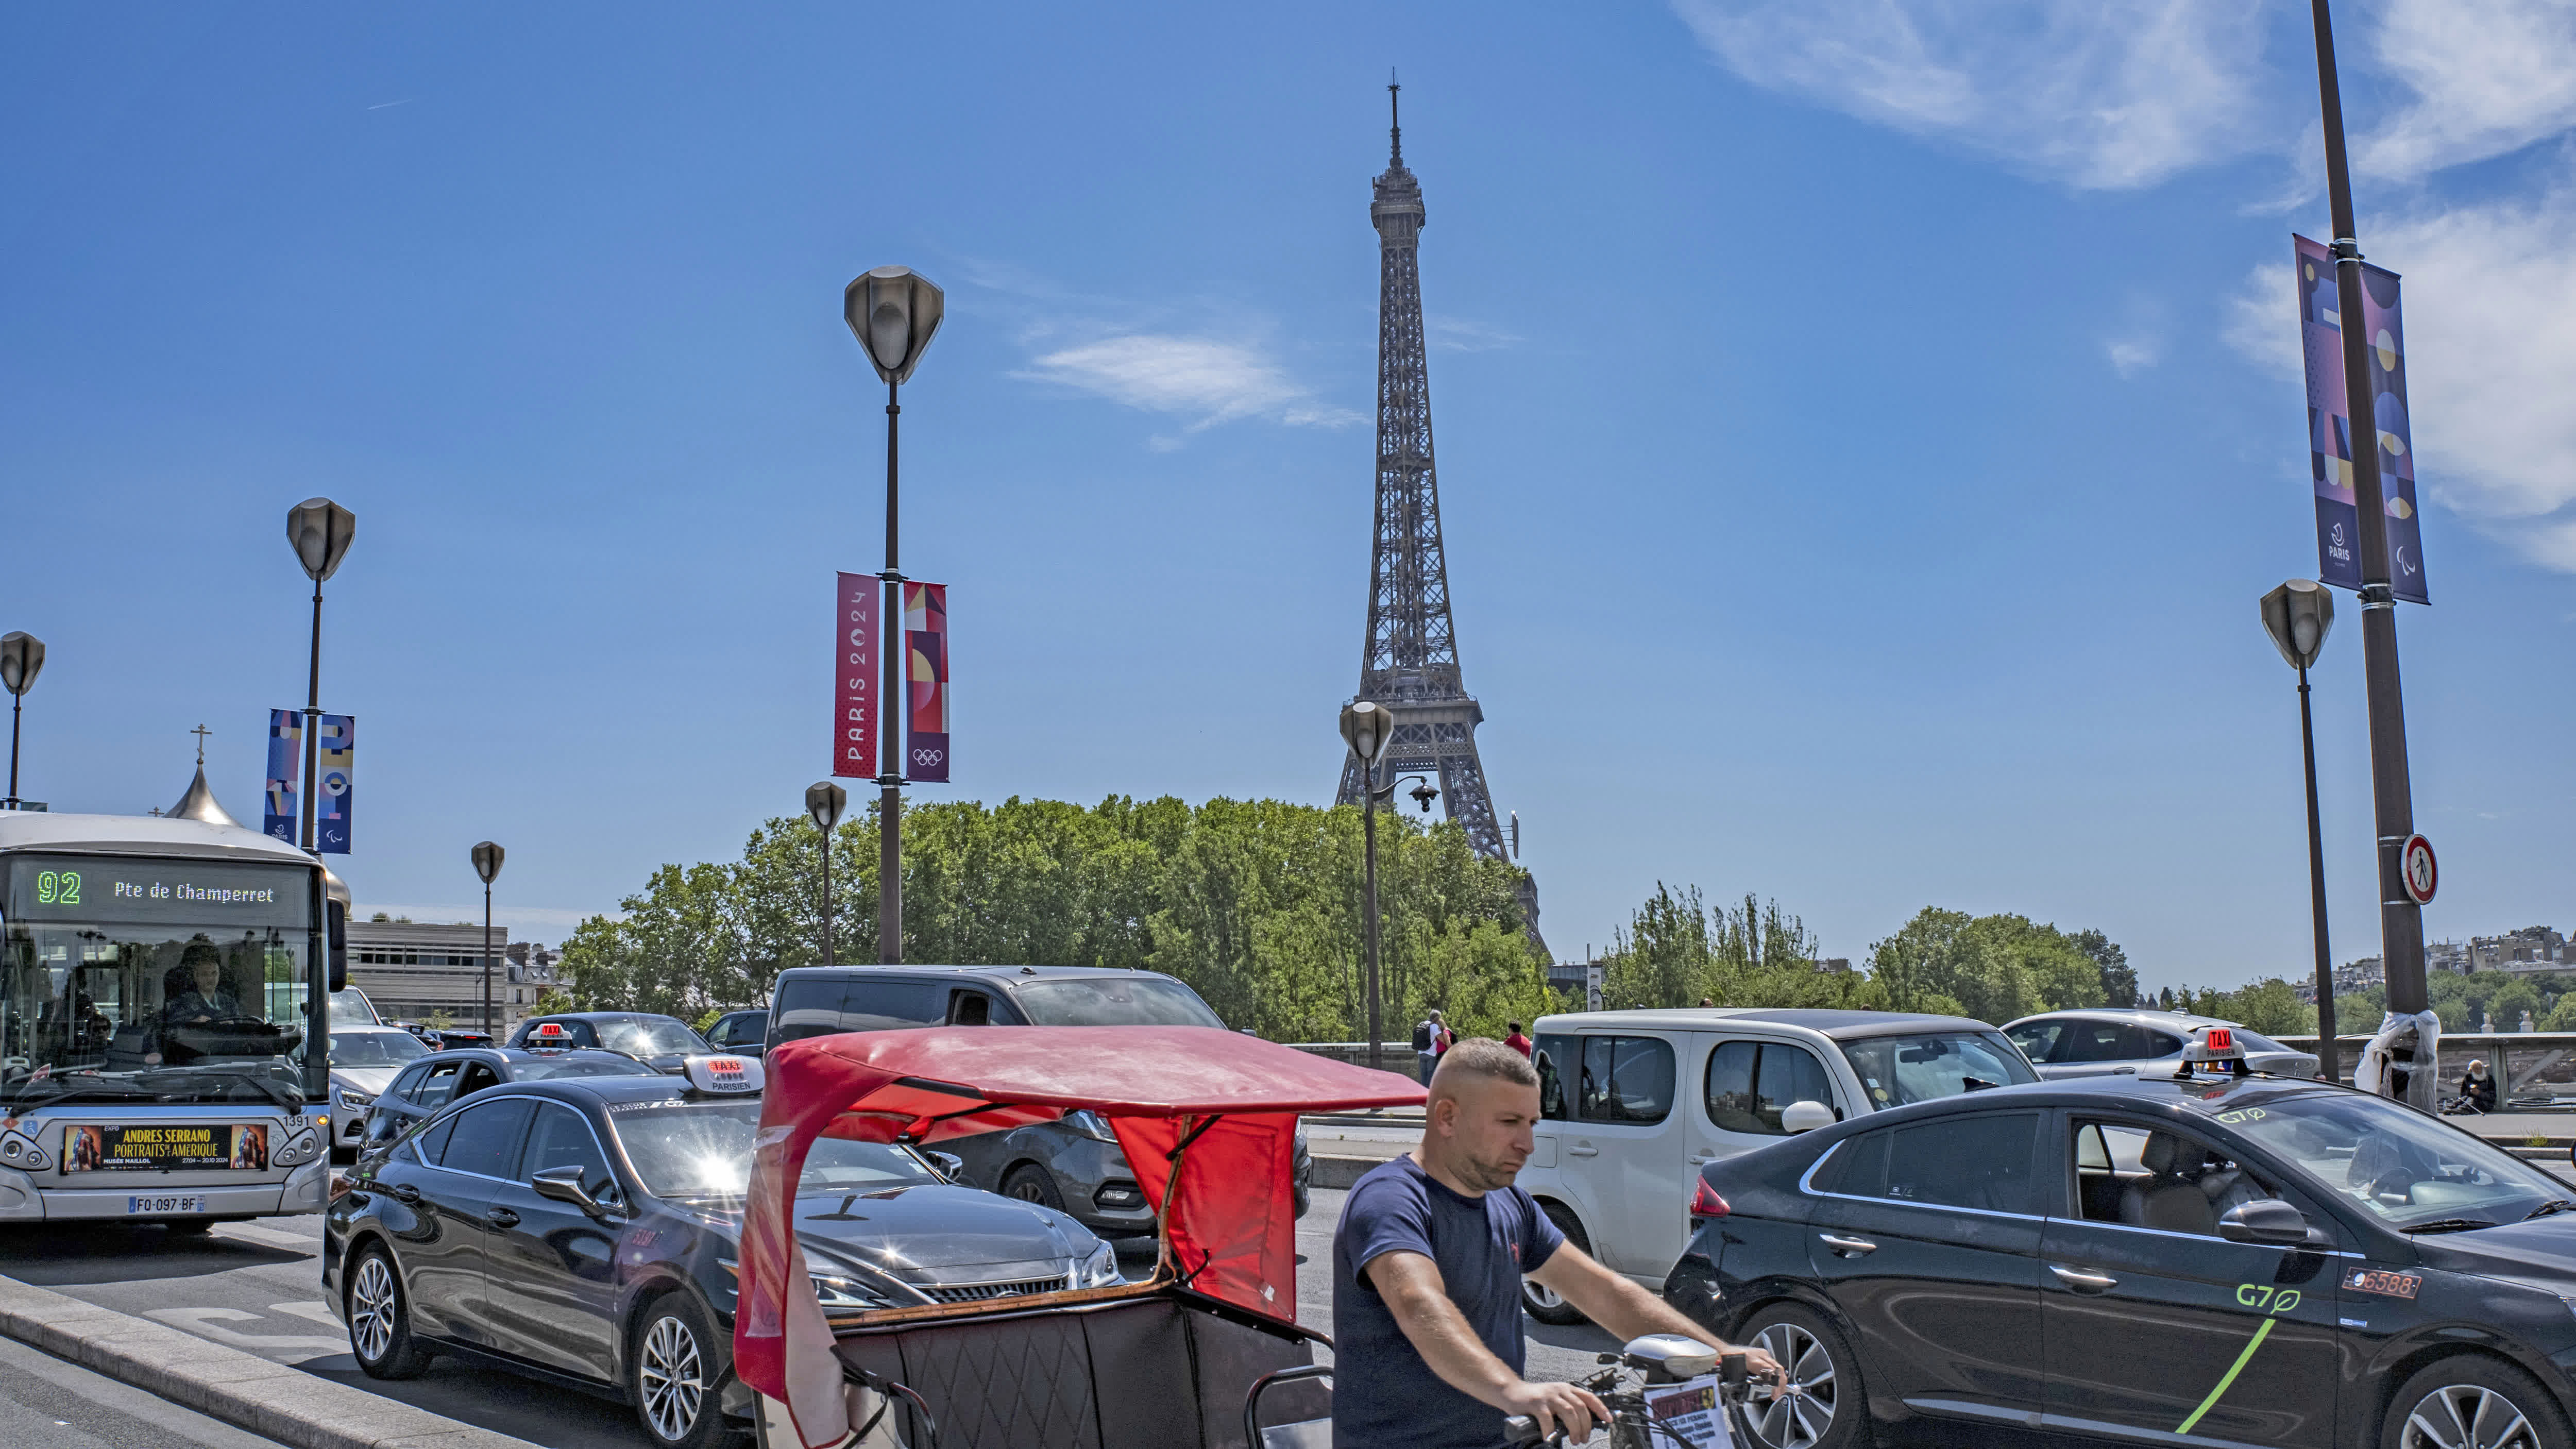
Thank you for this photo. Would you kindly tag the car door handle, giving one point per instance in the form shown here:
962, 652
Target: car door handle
2082, 1281
502, 1218
405, 1193
1580, 1150
1848, 1247
1702, 1159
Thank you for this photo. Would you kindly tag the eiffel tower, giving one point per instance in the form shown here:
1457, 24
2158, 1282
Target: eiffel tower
1409, 664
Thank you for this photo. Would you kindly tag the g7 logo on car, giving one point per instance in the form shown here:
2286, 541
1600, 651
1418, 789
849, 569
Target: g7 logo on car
2241, 1114
2267, 1298
2271, 1302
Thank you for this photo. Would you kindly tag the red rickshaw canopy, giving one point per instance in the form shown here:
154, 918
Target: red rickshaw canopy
1207, 1117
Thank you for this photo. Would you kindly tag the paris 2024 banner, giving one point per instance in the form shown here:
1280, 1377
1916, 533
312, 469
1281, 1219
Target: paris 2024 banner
925, 634
2330, 430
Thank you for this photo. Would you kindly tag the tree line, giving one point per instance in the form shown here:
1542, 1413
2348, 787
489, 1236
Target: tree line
1256, 904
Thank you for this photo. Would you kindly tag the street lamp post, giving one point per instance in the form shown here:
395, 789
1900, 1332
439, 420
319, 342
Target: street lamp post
320, 530
825, 801
487, 864
1368, 729
2298, 616
893, 311
2401, 919
22, 658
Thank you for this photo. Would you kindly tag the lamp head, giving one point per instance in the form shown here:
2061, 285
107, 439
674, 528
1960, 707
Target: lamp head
2298, 615
22, 658
487, 861
320, 530
1368, 729
1423, 795
824, 801
893, 311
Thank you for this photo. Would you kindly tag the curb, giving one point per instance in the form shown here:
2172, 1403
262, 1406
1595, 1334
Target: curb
277, 1400
1339, 1172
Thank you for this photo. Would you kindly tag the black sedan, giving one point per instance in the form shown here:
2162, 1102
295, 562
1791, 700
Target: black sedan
661, 1042
2150, 1259
585, 1230
431, 1081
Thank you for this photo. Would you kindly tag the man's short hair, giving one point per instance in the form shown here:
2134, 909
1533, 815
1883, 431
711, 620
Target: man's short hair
1481, 1056
198, 950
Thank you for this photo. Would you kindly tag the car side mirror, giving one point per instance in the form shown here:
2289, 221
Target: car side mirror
563, 1184
1800, 1117
950, 1165
2267, 1220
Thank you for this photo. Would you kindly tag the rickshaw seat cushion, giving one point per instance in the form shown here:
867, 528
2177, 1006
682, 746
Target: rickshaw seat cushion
1115, 1376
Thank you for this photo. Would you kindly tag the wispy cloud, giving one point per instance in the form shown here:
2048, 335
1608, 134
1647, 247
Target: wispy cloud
1204, 380
2099, 93
2490, 337
1456, 334
389, 105
2132, 355
2488, 77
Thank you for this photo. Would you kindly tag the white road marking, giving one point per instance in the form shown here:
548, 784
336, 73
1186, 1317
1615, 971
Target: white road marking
318, 1311
203, 1322
272, 1237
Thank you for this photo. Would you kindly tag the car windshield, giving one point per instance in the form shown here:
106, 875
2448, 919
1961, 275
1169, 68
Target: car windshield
350, 1007
1114, 1001
1895, 1070
2408, 1170
537, 1069
703, 1149
374, 1048
647, 1037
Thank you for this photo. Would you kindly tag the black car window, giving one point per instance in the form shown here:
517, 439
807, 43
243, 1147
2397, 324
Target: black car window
588, 1065
2037, 1038
1729, 1088
1858, 1167
891, 1005
562, 1139
432, 1144
2144, 1043
2097, 1041
1552, 1050
2150, 1177
487, 1137
1132, 1000
703, 1149
807, 1008
1750, 1083
474, 1077
969, 1008
431, 1088
1921, 1067
1625, 1079
1972, 1160
406, 1082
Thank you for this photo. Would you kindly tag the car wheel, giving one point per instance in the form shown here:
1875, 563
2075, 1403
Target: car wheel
673, 1375
1823, 1407
2470, 1400
1544, 1303
380, 1319
1031, 1183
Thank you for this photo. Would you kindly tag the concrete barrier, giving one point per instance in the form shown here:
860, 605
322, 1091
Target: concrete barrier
277, 1400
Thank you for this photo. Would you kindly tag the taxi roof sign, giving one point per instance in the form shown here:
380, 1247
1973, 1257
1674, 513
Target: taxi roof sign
549, 1035
2212, 1044
725, 1075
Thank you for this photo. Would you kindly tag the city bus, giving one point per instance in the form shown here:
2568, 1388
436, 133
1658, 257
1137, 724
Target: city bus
164, 1019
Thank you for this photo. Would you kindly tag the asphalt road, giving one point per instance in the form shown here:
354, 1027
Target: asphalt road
49, 1403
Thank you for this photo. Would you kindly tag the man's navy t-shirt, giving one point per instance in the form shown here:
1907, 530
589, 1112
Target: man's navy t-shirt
1384, 1395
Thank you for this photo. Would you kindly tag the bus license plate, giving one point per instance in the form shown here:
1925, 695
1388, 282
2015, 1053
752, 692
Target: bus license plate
164, 1204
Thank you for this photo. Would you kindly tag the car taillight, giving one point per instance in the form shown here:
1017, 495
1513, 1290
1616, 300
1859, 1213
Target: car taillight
1705, 1203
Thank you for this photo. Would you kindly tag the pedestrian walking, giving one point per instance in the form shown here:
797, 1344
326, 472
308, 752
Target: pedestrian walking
1518, 1042
1427, 1268
1430, 1039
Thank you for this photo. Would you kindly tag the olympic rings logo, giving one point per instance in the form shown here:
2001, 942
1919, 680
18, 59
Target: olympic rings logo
929, 757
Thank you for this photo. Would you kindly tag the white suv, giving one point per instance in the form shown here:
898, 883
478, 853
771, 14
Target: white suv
1633, 1103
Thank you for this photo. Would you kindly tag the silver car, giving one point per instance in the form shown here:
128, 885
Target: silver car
2100, 1042
363, 1060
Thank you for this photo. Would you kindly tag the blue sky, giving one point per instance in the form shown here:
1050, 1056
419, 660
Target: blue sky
1864, 427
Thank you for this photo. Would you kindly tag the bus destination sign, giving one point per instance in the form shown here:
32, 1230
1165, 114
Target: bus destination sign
112, 888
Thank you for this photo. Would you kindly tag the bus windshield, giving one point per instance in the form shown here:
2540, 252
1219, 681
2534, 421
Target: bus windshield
125, 978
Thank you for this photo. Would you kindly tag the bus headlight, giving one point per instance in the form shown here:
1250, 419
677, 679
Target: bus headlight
20, 1151
299, 1152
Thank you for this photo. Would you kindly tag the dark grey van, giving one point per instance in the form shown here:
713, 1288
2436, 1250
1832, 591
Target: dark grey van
1073, 1165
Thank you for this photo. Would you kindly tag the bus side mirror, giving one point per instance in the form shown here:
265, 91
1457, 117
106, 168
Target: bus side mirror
335, 947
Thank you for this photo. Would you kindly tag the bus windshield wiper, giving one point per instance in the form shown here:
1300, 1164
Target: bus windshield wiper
291, 1101
2448, 1225
2554, 1205
74, 1088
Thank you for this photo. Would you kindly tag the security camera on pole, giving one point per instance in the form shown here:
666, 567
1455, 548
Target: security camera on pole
893, 311
2298, 615
824, 802
22, 658
487, 864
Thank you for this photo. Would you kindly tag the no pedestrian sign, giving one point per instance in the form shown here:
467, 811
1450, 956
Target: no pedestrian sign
2415, 866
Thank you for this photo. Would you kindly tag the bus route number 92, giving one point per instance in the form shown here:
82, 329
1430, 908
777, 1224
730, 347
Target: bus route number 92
58, 887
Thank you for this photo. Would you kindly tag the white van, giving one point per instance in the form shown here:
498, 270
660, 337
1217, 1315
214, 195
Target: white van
1634, 1103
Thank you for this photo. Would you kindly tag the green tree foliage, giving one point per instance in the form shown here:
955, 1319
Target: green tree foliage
2119, 978
1994, 968
1256, 904
552, 1002
1675, 951
2270, 1006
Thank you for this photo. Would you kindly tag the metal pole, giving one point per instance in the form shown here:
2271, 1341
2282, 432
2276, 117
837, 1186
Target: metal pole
17, 702
1368, 819
827, 897
2401, 921
487, 958
890, 714
2327, 1058
312, 715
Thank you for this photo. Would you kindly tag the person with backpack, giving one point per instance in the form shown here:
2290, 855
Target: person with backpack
1430, 1039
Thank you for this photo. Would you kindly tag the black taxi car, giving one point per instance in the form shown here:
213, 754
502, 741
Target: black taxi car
431, 1082
584, 1230
2205, 1257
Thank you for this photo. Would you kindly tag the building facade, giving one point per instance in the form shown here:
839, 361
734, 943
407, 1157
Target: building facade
413, 970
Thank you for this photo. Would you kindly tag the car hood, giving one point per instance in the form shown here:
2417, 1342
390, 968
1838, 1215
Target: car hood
2540, 1251
938, 1234
370, 1080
